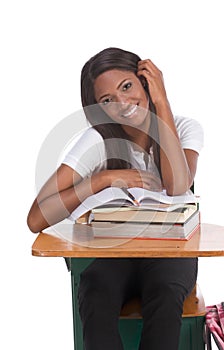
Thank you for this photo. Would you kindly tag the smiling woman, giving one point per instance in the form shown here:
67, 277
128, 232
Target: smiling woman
121, 95
120, 82
134, 141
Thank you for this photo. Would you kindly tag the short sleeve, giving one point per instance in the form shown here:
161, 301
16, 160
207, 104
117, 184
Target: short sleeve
88, 154
190, 133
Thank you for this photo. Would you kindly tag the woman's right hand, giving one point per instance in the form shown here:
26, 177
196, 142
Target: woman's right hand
133, 178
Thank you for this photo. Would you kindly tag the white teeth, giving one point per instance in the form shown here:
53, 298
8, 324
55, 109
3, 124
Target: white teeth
130, 112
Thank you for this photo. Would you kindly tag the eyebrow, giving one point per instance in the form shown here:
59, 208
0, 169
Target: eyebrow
119, 85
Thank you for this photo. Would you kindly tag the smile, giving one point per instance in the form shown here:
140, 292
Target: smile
130, 112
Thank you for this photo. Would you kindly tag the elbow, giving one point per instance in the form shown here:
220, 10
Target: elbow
177, 189
35, 219
175, 192
178, 184
34, 224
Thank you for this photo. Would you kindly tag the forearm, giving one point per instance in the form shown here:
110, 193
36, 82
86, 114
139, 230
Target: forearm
51, 210
175, 171
58, 206
176, 175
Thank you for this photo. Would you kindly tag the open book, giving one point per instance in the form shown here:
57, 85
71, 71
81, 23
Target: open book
114, 196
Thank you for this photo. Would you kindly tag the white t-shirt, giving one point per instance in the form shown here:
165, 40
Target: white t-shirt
88, 155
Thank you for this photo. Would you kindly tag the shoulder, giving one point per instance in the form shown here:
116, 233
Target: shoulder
89, 135
190, 133
185, 123
84, 140
86, 152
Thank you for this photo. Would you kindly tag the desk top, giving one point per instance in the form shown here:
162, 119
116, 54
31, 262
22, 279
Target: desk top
207, 241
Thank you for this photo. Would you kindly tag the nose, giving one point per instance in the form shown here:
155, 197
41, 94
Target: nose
122, 103
122, 99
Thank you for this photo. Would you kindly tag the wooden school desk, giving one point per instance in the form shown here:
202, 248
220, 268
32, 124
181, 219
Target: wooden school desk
57, 241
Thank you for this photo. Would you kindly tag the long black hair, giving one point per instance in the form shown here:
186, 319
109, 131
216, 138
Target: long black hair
116, 148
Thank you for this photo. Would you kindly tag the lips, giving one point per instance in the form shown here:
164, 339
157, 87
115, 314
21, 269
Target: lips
129, 111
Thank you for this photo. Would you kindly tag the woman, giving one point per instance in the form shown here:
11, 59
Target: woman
134, 141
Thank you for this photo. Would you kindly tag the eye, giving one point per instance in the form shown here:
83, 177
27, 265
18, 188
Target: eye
127, 86
106, 101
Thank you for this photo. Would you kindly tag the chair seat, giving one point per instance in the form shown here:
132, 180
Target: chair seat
194, 305
192, 329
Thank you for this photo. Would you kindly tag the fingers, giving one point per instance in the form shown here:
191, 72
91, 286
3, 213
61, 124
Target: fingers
148, 67
151, 182
147, 180
149, 70
136, 178
154, 78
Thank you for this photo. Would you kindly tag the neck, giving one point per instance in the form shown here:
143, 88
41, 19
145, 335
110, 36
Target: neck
139, 135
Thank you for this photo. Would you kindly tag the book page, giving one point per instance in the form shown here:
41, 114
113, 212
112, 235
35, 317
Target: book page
144, 196
114, 195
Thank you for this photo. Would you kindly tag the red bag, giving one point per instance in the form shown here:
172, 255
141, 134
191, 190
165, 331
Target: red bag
215, 325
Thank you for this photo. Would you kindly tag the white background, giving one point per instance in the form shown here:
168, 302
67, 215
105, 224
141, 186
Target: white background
43, 47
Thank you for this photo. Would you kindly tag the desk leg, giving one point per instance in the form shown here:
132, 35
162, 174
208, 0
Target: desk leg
77, 265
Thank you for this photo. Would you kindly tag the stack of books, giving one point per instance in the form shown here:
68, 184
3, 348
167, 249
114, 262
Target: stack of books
163, 216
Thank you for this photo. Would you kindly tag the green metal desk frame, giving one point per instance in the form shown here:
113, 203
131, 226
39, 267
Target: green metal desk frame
192, 330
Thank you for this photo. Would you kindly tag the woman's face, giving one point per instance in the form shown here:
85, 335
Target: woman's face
122, 96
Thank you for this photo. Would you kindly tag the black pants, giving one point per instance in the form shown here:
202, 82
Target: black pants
162, 284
